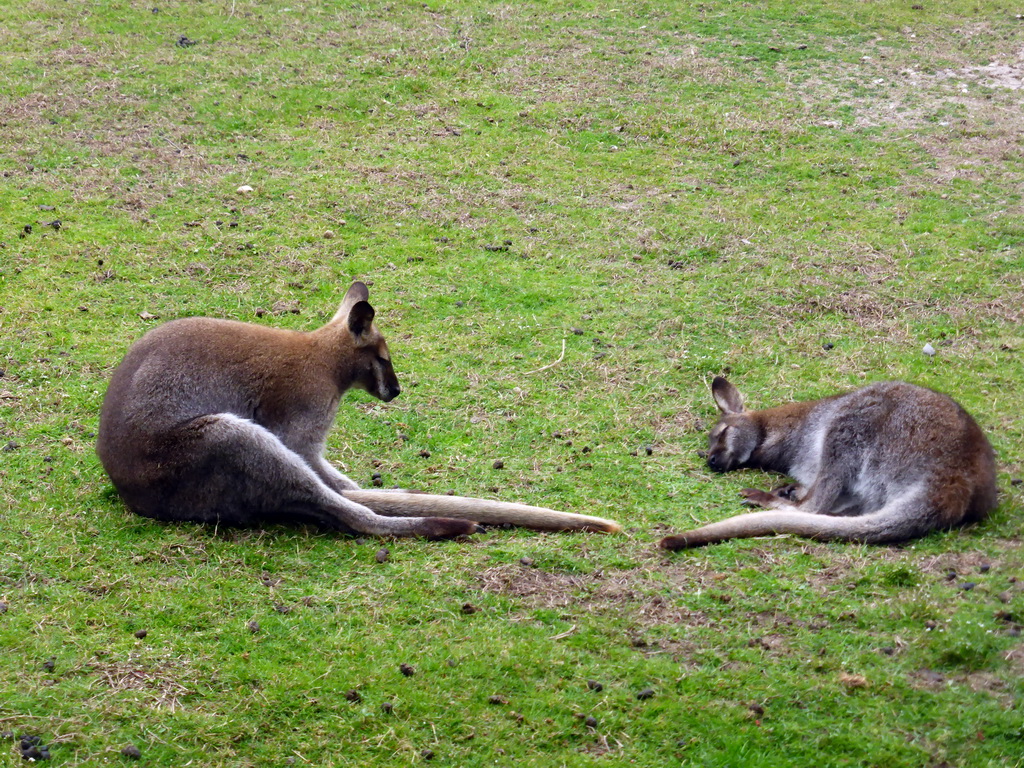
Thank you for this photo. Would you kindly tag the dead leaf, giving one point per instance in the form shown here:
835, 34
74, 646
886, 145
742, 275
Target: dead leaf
853, 681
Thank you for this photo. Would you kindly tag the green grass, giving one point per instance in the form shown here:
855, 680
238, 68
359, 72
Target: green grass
673, 190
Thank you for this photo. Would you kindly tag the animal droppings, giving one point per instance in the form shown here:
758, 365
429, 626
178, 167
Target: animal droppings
131, 752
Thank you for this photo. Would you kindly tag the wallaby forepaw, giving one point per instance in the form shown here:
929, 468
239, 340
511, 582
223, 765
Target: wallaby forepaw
788, 491
446, 528
755, 498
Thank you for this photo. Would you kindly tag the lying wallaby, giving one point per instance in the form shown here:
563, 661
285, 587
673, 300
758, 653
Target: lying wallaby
885, 463
218, 421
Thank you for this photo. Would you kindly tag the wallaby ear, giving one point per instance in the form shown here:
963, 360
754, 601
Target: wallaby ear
356, 293
360, 317
727, 397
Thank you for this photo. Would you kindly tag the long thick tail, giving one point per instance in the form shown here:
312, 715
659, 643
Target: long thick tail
893, 523
407, 504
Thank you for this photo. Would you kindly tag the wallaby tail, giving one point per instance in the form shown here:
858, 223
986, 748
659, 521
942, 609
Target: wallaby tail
893, 523
409, 504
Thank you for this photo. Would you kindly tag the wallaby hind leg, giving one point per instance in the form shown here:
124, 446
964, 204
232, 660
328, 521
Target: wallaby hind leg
334, 479
243, 473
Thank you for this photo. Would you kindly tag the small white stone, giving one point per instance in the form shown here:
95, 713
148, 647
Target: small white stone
929, 350
244, 189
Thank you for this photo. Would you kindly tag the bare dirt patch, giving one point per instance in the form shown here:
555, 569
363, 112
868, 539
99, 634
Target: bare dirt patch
986, 682
979, 682
1003, 71
1015, 658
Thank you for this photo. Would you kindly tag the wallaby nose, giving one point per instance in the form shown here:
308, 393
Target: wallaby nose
392, 393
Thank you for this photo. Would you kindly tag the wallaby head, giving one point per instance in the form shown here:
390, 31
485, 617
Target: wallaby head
735, 436
368, 361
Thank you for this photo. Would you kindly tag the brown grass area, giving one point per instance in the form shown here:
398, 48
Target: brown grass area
966, 563
608, 591
883, 310
160, 682
638, 593
565, 71
92, 126
966, 116
50, 119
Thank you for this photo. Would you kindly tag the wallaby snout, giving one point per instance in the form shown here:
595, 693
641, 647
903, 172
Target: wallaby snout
380, 379
391, 391
717, 462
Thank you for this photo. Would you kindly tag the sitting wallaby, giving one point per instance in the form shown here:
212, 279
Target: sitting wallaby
217, 421
885, 463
